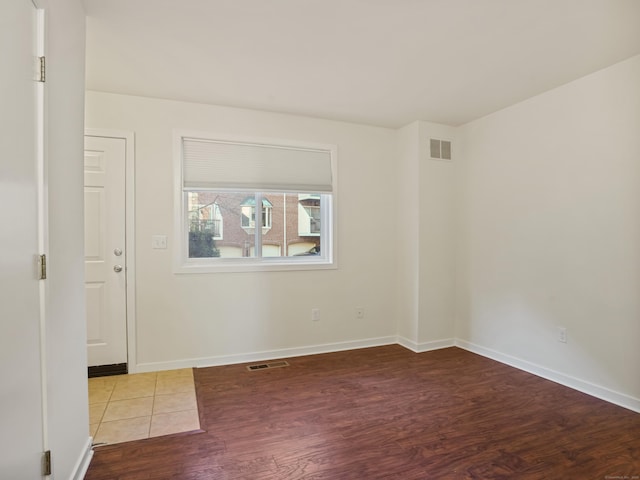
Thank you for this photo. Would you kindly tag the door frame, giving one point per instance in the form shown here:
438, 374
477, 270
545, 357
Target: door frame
130, 244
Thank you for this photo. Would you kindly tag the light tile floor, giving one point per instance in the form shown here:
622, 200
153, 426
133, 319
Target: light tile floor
143, 405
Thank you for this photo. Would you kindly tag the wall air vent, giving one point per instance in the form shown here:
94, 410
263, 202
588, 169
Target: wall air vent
265, 366
439, 149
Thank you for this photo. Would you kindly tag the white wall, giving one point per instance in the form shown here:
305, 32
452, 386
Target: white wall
68, 425
425, 212
550, 222
183, 317
407, 224
437, 243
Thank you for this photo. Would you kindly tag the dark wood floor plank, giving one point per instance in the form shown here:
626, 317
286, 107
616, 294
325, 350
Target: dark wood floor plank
385, 413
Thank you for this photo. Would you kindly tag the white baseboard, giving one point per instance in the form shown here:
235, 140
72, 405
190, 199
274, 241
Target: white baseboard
583, 386
265, 355
82, 465
597, 391
426, 346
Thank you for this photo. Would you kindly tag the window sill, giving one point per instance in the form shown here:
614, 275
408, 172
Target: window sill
247, 265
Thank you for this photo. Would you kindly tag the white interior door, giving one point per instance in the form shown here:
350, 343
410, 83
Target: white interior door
22, 436
105, 255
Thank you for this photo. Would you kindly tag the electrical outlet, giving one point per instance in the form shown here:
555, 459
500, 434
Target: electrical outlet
315, 314
359, 312
562, 334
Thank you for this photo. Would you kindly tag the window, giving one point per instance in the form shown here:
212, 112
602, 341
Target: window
274, 200
309, 218
248, 214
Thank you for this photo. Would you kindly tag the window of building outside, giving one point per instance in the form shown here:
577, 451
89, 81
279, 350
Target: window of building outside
248, 214
255, 206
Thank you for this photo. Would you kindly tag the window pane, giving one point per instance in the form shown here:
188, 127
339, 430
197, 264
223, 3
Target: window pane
223, 224
285, 238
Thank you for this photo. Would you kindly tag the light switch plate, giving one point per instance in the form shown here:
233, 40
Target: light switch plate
159, 241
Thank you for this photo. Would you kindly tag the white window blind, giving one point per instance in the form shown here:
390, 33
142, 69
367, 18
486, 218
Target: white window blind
213, 164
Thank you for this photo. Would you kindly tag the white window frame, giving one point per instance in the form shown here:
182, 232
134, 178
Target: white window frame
182, 264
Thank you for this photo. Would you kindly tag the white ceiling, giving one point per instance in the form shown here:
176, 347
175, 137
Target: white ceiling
378, 62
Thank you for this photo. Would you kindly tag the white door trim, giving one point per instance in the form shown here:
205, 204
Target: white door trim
43, 216
130, 271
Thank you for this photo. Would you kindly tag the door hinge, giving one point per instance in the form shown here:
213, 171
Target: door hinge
43, 267
46, 463
43, 69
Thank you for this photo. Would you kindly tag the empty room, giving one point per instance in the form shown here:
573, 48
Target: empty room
337, 239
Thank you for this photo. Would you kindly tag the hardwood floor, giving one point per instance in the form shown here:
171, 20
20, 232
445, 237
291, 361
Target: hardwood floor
386, 413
